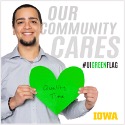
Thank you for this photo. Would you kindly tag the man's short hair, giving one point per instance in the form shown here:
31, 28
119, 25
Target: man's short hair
26, 6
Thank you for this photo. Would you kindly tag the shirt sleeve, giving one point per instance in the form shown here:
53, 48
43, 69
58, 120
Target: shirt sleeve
75, 110
5, 111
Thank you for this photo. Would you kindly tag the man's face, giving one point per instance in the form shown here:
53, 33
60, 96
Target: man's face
27, 26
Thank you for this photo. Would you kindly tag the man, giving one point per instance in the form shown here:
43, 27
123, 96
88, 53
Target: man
18, 102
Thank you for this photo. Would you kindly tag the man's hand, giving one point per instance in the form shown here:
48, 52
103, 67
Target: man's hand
91, 94
23, 93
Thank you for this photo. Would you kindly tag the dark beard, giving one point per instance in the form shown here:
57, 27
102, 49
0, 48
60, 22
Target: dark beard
25, 43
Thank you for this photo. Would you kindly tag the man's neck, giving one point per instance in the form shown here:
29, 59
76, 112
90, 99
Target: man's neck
28, 52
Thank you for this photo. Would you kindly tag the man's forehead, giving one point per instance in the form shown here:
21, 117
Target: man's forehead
26, 13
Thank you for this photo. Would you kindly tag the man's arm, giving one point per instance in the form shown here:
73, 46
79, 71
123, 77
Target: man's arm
22, 93
75, 110
79, 108
5, 111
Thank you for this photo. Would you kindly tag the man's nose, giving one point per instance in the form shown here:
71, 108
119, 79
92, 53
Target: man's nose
27, 25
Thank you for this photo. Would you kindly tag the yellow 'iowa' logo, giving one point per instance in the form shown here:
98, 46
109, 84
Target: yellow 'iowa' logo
105, 116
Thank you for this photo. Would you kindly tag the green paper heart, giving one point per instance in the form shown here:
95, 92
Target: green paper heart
55, 93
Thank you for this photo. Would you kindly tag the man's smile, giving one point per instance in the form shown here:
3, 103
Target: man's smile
27, 33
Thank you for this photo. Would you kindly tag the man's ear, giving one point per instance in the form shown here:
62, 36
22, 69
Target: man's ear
14, 31
41, 29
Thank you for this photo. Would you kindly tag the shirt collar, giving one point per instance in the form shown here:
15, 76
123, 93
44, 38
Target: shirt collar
15, 53
41, 53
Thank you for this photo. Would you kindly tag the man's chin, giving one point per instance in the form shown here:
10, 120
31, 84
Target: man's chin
28, 43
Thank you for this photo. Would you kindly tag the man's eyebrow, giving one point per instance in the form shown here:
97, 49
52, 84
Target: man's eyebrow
20, 19
28, 18
33, 18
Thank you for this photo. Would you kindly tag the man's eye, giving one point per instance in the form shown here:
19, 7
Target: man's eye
34, 22
19, 22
